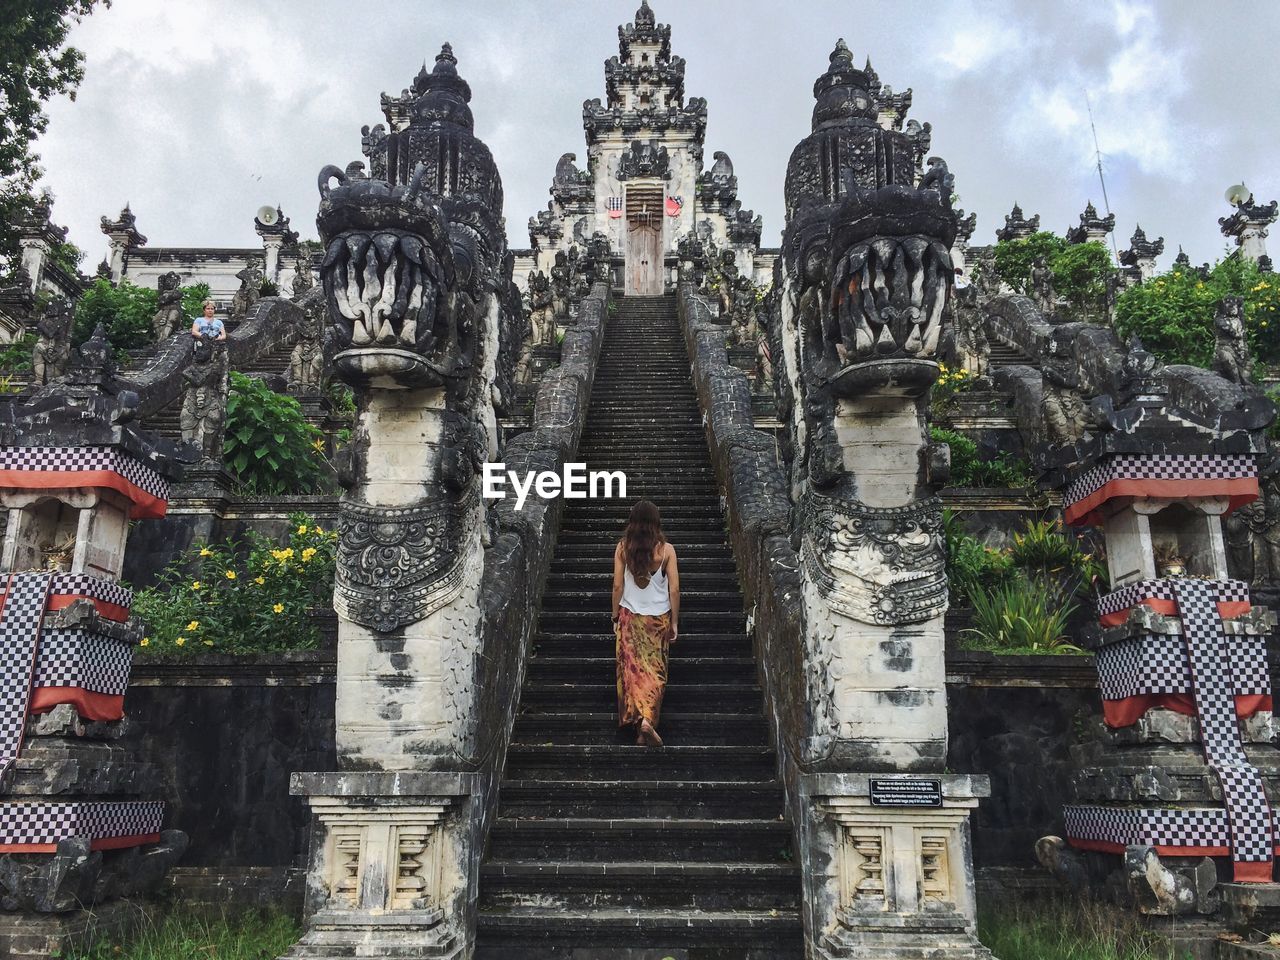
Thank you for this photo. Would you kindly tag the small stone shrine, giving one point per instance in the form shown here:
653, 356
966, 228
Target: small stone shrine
1183, 767
79, 823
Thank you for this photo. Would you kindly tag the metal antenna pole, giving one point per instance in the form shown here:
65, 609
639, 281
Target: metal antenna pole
1097, 153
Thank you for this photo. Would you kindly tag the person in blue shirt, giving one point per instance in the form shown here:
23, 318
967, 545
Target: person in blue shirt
209, 326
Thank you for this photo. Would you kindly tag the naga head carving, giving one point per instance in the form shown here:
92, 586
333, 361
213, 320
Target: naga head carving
868, 240
413, 251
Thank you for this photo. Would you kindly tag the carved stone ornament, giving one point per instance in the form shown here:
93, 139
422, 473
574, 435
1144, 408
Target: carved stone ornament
881, 565
397, 566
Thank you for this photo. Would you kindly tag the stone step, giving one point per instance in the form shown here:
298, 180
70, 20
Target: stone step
525, 933
660, 799
552, 644
599, 621
622, 761
681, 697
577, 884
691, 729
683, 669
691, 600
687, 841
602, 580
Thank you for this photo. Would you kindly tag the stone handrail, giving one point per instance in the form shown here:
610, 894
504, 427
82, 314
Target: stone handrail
757, 510
271, 322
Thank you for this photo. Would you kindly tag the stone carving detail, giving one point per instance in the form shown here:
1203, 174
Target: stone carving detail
1253, 537
1042, 286
306, 361
303, 278
396, 566
542, 311
867, 874
250, 289
52, 350
935, 869
170, 318
970, 345
204, 401
882, 565
1066, 418
645, 158
1231, 356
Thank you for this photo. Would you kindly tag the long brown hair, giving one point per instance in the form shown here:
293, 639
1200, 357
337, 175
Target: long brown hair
643, 534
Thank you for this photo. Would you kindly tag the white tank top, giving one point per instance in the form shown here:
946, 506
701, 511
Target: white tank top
651, 600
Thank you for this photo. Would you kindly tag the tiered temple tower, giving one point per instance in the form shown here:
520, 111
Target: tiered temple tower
644, 186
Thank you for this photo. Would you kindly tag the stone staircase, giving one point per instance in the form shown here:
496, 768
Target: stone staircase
602, 848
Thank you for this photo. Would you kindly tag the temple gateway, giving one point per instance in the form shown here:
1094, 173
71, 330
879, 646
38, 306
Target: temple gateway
977, 585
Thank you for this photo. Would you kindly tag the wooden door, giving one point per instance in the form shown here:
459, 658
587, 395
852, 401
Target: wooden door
644, 207
644, 260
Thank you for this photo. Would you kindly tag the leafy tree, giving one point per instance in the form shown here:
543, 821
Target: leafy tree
36, 64
1173, 313
126, 311
1080, 270
1015, 258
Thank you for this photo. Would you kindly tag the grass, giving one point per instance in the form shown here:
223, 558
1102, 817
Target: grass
1059, 930
183, 934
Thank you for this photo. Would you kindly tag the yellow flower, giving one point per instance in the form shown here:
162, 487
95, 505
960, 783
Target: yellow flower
146, 642
317, 446
317, 531
193, 625
308, 553
181, 641
278, 608
303, 528
206, 552
259, 580
196, 584
231, 574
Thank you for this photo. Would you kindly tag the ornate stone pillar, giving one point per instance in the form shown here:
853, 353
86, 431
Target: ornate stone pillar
1142, 254
865, 278
122, 234
37, 236
416, 279
1248, 227
275, 235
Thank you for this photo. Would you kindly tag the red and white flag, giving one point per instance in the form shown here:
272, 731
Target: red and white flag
674, 206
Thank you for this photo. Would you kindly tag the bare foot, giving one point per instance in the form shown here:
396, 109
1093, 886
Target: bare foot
649, 736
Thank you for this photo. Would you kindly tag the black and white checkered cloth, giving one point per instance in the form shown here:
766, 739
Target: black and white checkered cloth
84, 460
1158, 467
1194, 827
83, 585
46, 823
1225, 591
1158, 663
82, 658
1210, 656
21, 618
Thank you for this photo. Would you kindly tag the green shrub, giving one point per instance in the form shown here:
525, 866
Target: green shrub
1173, 313
968, 469
970, 563
1025, 615
951, 383
15, 356
1061, 930
242, 598
126, 311
1044, 551
270, 448
191, 935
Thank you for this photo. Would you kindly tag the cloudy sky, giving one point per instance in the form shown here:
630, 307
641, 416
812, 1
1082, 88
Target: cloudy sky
198, 112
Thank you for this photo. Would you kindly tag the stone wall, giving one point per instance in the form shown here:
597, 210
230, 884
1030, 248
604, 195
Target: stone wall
227, 731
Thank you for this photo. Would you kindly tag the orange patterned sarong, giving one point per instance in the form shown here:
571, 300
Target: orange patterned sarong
642, 665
